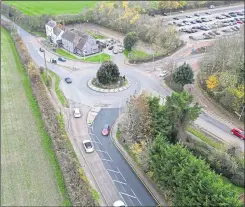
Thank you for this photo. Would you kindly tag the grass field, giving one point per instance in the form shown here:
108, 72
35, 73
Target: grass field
30, 175
135, 54
51, 7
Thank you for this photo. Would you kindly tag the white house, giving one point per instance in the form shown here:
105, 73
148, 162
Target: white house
54, 33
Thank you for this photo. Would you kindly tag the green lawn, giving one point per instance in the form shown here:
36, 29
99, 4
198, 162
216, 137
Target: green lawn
95, 35
30, 174
135, 54
51, 7
101, 57
238, 189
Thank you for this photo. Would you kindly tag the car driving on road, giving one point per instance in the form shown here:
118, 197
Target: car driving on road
238, 132
119, 203
76, 113
61, 59
106, 130
68, 80
88, 146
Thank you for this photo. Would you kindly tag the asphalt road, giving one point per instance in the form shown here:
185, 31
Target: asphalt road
129, 186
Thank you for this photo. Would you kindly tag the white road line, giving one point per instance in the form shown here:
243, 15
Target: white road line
128, 195
122, 198
119, 182
97, 138
121, 174
112, 170
109, 156
95, 142
105, 159
101, 151
135, 196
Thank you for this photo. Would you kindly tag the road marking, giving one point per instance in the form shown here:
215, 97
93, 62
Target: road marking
119, 182
136, 196
112, 171
95, 142
122, 198
121, 174
109, 156
128, 195
101, 151
106, 160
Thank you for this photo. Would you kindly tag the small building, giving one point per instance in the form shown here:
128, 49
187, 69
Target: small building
54, 32
68, 41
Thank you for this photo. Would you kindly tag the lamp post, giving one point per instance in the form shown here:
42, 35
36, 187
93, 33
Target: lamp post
45, 62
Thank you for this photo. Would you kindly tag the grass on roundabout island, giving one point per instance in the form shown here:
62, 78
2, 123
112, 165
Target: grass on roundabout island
112, 86
97, 58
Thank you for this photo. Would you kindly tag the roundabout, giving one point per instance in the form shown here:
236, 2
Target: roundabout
113, 90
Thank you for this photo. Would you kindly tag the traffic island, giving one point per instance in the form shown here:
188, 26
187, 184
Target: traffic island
126, 84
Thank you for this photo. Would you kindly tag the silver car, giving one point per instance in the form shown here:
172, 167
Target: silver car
88, 146
76, 113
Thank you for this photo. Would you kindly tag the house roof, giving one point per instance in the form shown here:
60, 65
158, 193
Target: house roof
68, 35
82, 41
57, 30
51, 23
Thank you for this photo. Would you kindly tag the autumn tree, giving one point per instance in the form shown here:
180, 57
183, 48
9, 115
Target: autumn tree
211, 82
183, 75
130, 40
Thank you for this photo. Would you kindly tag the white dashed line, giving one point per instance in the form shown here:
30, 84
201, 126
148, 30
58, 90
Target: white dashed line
106, 160
135, 196
128, 195
119, 182
122, 197
112, 170
101, 151
121, 174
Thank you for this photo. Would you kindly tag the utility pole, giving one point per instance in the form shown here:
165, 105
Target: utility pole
45, 62
241, 113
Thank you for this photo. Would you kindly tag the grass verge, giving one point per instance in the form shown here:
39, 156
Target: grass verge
135, 54
45, 139
32, 8
58, 91
204, 138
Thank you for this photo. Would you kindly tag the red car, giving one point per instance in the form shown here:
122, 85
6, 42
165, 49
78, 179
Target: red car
239, 22
238, 132
106, 130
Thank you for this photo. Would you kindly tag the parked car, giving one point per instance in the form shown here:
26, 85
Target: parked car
68, 80
239, 14
216, 32
53, 61
176, 18
237, 27
239, 22
120, 49
188, 16
106, 130
163, 73
199, 21
211, 34
76, 113
61, 59
238, 132
119, 203
191, 37
41, 49
208, 13
164, 14
193, 22
233, 15
197, 15
115, 51
211, 7
88, 146
180, 24
110, 47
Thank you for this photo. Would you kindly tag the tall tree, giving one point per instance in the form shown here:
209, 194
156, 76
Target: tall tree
183, 75
130, 40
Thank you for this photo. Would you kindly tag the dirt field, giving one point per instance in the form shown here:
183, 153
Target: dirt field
27, 176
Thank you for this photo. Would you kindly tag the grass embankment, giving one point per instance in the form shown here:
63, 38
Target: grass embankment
30, 172
58, 91
95, 35
101, 57
51, 7
135, 54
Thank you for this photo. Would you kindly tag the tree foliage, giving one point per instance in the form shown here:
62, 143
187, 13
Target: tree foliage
211, 82
183, 75
108, 73
130, 40
187, 179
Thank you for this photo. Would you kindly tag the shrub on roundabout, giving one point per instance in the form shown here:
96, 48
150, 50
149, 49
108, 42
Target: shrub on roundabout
108, 76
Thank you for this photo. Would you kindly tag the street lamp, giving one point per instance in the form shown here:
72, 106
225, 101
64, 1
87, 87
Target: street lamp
45, 62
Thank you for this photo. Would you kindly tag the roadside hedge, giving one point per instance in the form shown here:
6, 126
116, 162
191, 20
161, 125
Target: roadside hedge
78, 189
189, 181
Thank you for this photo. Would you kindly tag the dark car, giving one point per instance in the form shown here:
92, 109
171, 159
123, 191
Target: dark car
211, 34
216, 32
110, 47
68, 80
208, 13
236, 27
106, 130
233, 15
199, 21
176, 18
41, 49
62, 59
53, 61
238, 132
193, 22
233, 28
239, 14
191, 37
197, 15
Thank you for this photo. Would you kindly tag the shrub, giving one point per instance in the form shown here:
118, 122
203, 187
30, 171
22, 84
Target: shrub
108, 73
130, 40
188, 180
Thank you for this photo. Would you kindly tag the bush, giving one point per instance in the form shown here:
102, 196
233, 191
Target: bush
130, 40
41, 70
188, 180
183, 75
108, 73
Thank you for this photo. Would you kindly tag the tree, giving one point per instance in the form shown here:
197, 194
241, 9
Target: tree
130, 40
108, 73
211, 82
183, 75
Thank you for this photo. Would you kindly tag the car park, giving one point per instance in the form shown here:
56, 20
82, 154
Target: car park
238, 132
76, 113
68, 80
88, 146
106, 130
62, 59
